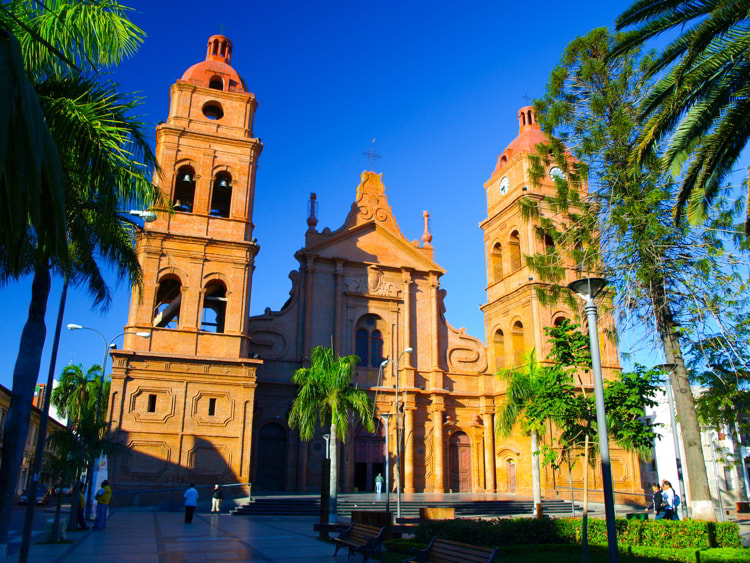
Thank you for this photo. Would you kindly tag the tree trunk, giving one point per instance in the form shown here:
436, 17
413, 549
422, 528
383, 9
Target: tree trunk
56, 535
535, 472
74, 500
334, 476
701, 505
25, 374
739, 461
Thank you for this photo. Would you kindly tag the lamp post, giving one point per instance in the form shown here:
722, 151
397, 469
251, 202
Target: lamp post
385, 417
399, 434
669, 368
587, 289
107, 344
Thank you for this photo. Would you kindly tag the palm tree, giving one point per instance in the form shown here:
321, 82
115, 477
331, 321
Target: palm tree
325, 395
702, 98
106, 162
524, 385
77, 392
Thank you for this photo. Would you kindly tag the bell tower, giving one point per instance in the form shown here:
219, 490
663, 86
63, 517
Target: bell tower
182, 400
514, 319
198, 260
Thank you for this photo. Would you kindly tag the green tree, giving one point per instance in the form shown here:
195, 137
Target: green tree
701, 101
326, 395
78, 391
534, 395
723, 393
613, 218
70, 451
106, 163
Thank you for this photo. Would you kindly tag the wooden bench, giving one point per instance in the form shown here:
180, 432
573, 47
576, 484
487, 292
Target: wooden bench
361, 537
444, 551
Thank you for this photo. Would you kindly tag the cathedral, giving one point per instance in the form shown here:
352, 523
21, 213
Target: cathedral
206, 398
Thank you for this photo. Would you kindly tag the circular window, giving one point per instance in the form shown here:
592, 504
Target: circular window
555, 172
212, 110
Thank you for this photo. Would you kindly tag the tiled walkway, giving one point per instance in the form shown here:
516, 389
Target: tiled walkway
163, 537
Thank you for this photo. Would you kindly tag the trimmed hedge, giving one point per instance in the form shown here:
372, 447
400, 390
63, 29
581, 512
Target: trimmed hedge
695, 534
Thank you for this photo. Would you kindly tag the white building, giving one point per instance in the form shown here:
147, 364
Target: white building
717, 452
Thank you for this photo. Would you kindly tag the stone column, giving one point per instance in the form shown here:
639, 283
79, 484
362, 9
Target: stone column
406, 292
338, 314
489, 452
435, 317
437, 422
409, 449
309, 270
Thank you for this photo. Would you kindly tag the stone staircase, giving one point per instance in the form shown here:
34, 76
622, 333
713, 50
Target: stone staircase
308, 505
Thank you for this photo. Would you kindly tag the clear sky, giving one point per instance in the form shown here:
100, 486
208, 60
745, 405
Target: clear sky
437, 84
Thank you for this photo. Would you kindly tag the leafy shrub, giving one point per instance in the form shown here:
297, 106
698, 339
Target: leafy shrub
523, 531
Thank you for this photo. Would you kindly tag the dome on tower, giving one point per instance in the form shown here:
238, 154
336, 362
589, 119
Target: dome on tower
216, 72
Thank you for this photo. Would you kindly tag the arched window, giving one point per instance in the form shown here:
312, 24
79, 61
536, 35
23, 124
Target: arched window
549, 244
523, 118
221, 195
369, 341
214, 307
184, 189
497, 262
530, 121
515, 252
518, 344
498, 342
167, 308
216, 83
362, 345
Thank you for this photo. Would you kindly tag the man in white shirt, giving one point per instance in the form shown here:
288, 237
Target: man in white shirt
191, 501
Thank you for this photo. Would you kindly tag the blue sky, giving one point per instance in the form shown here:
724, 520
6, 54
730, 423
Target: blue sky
436, 84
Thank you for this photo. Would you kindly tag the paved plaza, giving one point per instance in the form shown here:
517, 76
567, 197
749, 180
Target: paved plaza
163, 537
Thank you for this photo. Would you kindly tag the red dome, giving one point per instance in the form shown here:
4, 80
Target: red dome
215, 71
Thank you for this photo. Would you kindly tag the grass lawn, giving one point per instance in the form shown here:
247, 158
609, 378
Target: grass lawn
572, 554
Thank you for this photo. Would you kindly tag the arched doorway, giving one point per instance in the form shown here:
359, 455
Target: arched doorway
271, 452
460, 458
510, 467
369, 458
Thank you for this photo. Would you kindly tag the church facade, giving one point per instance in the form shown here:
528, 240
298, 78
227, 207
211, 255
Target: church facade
207, 396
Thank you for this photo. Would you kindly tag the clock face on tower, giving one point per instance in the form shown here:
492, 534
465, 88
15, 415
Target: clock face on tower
555, 172
504, 186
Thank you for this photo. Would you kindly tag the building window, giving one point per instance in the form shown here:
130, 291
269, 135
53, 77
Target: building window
518, 343
368, 341
498, 342
213, 111
184, 189
168, 298
497, 263
211, 406
515, 252
214, 307
728, 478
221, 195
216, 83
151, 403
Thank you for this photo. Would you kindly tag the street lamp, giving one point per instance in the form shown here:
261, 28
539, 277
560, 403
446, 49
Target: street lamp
587, 289
399, 435
385, 417
147, 216
669, 368
107, 344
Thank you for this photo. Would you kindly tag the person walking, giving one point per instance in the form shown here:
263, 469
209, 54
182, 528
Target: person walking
379, 484
191, 501
81, 505
103, 497
216, 498
674, 500
667, 496
656, 502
